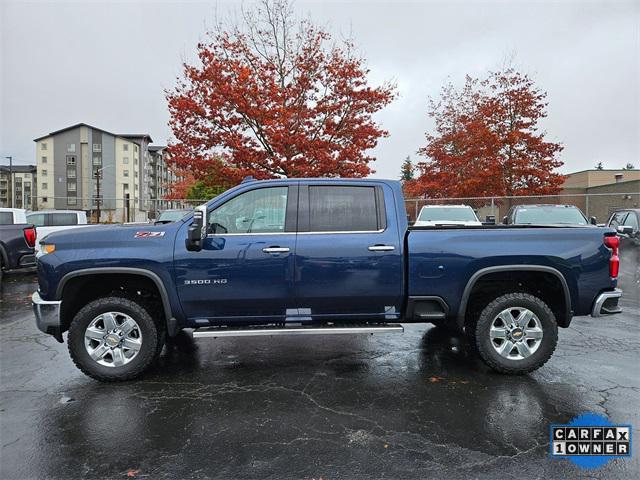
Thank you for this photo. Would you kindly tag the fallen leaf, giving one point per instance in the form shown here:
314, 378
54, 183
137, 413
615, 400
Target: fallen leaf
132, 473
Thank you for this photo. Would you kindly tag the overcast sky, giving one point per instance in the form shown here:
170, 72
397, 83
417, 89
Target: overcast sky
107, 64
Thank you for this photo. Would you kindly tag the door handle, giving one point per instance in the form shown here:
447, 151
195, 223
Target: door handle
275, 250
381, 248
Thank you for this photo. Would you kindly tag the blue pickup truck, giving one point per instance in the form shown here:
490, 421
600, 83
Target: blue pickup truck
317, 256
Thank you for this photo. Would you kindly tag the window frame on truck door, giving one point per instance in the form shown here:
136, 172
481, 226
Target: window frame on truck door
304, 209
290, 219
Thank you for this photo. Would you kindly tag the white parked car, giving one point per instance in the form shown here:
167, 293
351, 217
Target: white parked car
434, 215
12, 216
49, 221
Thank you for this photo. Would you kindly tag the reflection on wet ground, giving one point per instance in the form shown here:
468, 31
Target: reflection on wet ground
416, 405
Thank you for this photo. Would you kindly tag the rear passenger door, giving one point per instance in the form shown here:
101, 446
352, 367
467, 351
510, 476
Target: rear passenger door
348, 262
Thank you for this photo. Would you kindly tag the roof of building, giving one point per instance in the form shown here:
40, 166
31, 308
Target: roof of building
156, 148
77, 125
600, 170
145, 136
19, 168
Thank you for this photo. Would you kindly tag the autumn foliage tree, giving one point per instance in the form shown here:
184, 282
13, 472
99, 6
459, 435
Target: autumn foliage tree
273, 96
487, 141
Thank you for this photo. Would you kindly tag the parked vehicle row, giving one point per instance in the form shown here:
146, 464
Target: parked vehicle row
328, 256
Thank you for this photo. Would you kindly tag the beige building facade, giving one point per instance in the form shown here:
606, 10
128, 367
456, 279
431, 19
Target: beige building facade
82, 166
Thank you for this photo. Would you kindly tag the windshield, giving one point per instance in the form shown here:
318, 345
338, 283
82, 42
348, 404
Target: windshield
172, 215
550, 215
451, 214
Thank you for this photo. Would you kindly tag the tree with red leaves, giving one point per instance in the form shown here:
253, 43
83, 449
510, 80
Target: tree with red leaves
487, 141
275, 97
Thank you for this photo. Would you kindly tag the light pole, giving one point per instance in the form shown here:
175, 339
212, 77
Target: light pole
98, 172
10, 180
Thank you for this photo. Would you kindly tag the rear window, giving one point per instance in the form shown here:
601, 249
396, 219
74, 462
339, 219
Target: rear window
37, 219
549, 216
172, 215
342, 209
438, 214
60, 219
6, 218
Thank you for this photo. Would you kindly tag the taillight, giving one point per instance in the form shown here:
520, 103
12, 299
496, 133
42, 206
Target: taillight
30, 236
613, 242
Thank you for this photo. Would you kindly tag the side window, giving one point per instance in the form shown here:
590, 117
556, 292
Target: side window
37, 219
342, 209
60, 219
257, 211
632, 221
6, 218
617, 219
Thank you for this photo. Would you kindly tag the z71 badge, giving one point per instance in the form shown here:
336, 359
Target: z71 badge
148, 234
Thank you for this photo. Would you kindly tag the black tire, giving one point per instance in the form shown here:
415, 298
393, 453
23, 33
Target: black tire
152, 338
484, 343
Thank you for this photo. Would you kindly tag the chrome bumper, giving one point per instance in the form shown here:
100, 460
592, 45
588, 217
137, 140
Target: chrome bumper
607, 303
47, 315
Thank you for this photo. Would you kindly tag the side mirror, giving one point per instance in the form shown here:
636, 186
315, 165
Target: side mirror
505, 220
624, 229
197, 230
593, 221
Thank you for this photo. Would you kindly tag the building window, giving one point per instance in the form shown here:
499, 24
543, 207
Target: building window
135, 148
97, 147
44, 173
71, 159
125, 147
125, 160
43, 146
97, 160
71, 186
71, 147
44, 159
72, 200
44, 186
45, 199
125, 173
71, 171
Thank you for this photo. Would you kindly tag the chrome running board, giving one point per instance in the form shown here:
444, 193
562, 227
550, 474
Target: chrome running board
215, 332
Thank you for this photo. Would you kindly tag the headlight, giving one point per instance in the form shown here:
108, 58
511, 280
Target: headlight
47, 248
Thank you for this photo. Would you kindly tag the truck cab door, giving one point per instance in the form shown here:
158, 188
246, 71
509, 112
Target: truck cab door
244, 271
349, 256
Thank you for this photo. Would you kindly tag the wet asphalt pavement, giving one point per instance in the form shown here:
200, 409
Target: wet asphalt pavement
415, 405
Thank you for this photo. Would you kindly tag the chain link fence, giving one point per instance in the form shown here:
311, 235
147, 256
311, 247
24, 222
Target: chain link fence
115, 210
124, 210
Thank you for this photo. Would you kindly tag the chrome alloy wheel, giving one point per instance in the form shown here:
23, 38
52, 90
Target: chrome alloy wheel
516, 333
113, 339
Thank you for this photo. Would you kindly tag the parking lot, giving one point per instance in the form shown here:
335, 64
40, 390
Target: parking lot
416, 405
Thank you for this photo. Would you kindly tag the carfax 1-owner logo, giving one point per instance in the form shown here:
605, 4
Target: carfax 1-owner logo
590, 440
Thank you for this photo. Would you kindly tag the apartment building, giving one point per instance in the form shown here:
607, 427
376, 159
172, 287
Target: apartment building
18, 186
80, 164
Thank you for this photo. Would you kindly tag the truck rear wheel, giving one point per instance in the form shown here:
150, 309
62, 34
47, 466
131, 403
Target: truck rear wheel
114, 339
516, 333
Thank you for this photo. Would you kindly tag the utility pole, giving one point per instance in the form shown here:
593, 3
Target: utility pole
98, 176
11, 180
98, 172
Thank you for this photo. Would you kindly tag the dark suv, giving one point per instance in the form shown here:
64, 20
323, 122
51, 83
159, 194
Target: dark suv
626, 222
546, 215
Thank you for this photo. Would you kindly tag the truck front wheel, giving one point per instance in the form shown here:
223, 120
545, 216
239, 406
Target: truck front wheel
114, 339
516, 333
